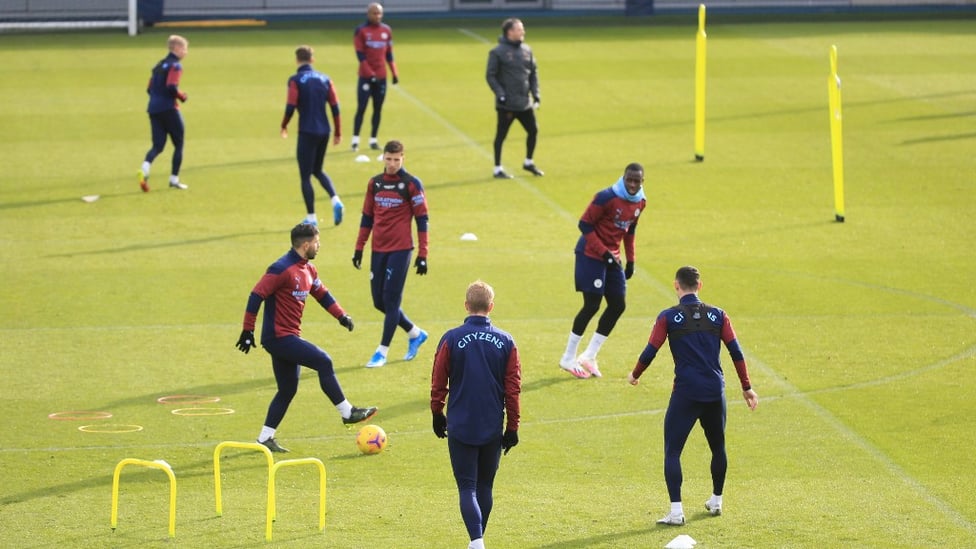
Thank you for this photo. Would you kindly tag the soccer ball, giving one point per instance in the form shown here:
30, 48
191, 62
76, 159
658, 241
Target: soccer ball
371, 439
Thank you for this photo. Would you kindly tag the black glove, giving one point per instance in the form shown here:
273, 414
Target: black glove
501, 99
396, 80
440, 425
357, 259
346, 322
629, 271
246, 341
421, 265
509, 440
610, 260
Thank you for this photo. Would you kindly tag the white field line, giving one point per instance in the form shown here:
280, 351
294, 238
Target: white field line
873, 451
489, 155
662, 289
475, 36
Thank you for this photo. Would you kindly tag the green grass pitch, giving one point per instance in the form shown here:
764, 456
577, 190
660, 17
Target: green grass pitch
859, 335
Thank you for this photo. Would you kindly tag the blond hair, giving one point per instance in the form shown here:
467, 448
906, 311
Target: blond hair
479, 297
177, 40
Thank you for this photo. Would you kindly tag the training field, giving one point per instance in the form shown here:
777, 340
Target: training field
860, 336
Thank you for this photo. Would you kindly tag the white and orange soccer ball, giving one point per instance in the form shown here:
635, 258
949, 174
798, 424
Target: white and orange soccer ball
371, 439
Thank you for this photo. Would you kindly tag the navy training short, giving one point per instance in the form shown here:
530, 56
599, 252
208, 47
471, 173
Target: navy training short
596, 277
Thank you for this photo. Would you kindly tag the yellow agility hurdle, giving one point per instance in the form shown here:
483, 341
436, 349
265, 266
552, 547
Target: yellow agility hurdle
272, 473
245, 446
157, 464
271, 491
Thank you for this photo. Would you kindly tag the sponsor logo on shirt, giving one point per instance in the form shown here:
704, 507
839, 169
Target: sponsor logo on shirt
389, 201
298, 293
624, 224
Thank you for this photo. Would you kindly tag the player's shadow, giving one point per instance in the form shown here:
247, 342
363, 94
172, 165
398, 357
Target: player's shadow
52, 201
549, 382
212, 389
612, 539
161, 245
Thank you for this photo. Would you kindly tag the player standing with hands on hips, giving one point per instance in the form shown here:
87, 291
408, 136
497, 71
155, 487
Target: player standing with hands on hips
308, 93
610, 218
373, 41
477, 373
513, 78
393, 198
285, 287
164, 112
695, 332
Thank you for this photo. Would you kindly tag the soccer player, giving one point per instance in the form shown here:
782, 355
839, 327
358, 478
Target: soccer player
285, 287
611, 218
478, 365
165, 119
308, 93
373, 41
695, 332
393, 198
512, 77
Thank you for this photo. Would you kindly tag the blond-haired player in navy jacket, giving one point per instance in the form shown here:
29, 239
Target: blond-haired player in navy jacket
477, 376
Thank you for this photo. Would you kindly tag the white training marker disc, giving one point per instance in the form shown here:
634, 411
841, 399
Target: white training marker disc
362, 158
469, 236
683, 541
90, 198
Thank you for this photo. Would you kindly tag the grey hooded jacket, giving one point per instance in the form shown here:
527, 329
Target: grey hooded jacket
512, 75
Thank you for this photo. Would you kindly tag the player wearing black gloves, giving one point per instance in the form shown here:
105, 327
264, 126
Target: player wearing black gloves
477, 377
393, 200
286, 286
610, 218
373, 41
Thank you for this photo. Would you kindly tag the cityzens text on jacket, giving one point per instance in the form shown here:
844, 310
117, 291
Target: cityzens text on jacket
481, 336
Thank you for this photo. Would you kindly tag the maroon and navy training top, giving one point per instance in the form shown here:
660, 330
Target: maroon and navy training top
695, 332
284, 288
164, 85
309, 92
608, 221
391, 202
374, 49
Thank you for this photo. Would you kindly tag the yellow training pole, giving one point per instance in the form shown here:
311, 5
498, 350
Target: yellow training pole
836, 135
700, 47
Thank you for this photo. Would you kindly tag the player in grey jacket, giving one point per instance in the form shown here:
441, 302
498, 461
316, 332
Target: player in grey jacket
513, 78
